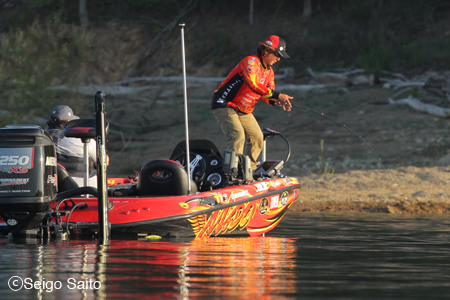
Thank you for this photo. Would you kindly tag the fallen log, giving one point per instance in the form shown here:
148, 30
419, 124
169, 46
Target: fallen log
420, 106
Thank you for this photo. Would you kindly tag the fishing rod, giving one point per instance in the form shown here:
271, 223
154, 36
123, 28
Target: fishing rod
348, 129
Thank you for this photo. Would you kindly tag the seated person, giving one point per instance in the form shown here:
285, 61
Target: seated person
69, 151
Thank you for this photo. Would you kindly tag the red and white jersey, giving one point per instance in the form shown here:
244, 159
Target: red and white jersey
246, 84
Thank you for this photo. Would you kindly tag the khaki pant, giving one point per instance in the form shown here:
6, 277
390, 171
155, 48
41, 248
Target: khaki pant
238, 128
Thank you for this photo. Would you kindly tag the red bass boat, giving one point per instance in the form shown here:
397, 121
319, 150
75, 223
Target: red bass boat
221, 196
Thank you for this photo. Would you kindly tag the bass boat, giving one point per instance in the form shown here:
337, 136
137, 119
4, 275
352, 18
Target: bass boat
221, 196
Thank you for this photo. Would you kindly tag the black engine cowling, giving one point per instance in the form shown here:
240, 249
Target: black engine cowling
28, 177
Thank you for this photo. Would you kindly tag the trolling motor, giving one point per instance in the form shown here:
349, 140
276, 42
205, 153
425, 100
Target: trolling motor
271, 168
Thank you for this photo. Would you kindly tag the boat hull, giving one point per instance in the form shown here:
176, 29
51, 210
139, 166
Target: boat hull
241, 210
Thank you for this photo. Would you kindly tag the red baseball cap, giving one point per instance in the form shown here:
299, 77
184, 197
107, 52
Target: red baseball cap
278, 44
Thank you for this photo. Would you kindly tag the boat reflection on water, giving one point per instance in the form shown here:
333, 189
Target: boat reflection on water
242, 268
230, 267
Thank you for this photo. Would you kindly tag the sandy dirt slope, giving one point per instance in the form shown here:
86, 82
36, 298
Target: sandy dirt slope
408, 190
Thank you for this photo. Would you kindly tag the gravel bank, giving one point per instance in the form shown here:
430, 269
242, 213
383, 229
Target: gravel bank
408, 190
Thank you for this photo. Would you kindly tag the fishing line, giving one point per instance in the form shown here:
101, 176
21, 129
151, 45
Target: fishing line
348, 129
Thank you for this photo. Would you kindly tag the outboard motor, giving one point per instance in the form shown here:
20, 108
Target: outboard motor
28, 178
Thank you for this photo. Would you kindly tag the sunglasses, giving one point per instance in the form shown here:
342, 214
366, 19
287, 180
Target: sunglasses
276, 53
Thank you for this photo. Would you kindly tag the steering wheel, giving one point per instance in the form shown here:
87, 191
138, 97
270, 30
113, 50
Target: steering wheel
197, 165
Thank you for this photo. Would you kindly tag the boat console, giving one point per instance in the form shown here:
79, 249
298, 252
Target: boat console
237, 167
206, 163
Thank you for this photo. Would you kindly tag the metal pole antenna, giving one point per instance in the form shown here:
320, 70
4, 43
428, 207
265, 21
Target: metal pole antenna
188, 156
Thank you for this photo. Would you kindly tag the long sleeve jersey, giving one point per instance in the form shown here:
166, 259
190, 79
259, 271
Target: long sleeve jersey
246, 84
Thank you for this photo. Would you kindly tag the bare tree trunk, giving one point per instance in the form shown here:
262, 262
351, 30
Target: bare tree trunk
251, 13
84, 20
155, 43
307, 9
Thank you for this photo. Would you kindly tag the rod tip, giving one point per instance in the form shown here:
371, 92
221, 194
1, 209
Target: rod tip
181, 24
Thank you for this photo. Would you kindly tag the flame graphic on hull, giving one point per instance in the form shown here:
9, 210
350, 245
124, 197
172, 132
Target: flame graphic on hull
252, 218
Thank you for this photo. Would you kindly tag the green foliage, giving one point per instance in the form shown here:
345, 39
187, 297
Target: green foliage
379, 35
220, 46
138, 4
223, 43
42, 3
377, 56
322, 167
35, 58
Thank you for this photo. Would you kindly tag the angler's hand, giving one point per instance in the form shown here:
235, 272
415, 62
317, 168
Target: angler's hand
283, 100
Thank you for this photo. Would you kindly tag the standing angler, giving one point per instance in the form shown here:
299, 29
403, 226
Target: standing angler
234, 100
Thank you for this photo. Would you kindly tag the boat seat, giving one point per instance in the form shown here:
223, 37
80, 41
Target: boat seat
65, 182
163, 177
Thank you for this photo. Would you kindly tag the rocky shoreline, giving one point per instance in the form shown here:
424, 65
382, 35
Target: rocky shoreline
408, 190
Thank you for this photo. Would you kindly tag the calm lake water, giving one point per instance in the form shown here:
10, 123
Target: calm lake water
308, 256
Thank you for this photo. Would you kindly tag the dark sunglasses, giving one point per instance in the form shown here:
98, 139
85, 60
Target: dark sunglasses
276, 53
